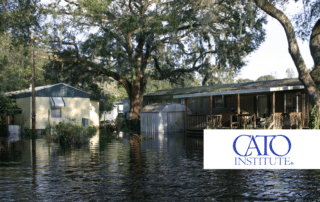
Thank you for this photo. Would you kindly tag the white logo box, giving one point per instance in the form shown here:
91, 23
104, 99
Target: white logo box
219, 150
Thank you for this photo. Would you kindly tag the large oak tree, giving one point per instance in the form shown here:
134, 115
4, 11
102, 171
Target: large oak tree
136, 41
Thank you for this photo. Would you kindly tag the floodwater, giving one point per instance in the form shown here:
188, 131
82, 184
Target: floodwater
159, 167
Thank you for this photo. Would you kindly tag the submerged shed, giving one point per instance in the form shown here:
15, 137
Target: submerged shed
161, 117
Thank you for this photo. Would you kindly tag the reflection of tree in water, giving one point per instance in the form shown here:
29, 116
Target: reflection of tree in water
9, 151
136, 167
135, 155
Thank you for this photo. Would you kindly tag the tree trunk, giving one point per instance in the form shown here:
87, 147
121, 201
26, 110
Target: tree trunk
136, 99
304, 75
314, 45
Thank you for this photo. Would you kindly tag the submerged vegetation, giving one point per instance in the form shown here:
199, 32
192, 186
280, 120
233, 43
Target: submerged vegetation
69, 132
126, 125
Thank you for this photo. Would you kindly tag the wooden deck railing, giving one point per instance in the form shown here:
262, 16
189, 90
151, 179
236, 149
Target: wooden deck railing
213, 121
292, 120
275, 121
242, 120
196, 121
249, 121
283, 121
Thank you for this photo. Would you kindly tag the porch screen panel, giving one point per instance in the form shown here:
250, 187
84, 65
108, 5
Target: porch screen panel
247, 103
291, 102
219, 103
279, 102
262, 106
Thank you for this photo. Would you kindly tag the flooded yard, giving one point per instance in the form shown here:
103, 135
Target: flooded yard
156, 167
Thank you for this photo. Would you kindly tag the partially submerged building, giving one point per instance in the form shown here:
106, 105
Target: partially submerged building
163, 118
282, 103
55, 103
121, 108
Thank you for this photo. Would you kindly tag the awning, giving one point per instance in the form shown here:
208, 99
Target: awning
57, 102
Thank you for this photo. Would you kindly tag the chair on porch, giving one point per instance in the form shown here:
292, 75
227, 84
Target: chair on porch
234, 121
292, 120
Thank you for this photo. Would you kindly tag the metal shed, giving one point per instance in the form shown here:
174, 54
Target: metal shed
161, 117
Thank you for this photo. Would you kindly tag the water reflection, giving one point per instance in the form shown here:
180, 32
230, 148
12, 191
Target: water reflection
151, 167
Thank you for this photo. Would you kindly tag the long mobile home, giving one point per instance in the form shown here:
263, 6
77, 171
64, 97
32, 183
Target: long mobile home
284, 102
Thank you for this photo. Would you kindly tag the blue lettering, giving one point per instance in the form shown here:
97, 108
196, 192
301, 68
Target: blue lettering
271, 147
235, 144
256, 147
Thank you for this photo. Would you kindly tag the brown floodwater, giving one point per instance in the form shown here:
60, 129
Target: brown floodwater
121, 167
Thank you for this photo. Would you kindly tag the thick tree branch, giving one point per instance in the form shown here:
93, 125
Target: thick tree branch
131, 9
95, 68
304, 75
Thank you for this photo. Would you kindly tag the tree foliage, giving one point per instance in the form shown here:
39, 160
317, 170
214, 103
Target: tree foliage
289, 73
15, 66
18, 20
240, 80
306, 18
266, 78
156, 85
8, 107
137, 41
314, 118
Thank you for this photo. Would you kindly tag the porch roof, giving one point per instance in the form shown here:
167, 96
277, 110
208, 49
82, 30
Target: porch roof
228, 89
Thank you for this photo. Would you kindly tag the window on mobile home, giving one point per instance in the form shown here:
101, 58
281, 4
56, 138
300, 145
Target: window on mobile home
219, 101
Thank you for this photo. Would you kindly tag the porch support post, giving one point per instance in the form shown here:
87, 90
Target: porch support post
210, 100
186, 101
257, 105
297, 102
303, 108
238, 103
273, 102
285, 103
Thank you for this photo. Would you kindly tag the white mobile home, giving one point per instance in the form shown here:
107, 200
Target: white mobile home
55, 103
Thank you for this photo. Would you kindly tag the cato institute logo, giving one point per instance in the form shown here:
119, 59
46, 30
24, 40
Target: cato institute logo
261, 149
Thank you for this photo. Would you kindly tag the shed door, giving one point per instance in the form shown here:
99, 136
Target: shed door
176, 121
151, 123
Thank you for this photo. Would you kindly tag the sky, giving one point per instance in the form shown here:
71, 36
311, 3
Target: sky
273, 56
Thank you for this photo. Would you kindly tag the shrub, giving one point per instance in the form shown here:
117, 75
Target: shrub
110, 127
130, 125
118, 123
70, 132
8, 106
91, 131
313, 118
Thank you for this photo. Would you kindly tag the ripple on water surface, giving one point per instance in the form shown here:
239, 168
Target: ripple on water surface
154, 167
